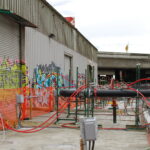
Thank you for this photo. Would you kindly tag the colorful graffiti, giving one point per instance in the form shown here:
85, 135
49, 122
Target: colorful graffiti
42, 99
46, 76
11, 73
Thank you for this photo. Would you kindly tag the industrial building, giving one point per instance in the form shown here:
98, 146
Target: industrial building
49, 83
43, 38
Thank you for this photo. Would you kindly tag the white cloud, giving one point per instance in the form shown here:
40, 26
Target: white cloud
110, 24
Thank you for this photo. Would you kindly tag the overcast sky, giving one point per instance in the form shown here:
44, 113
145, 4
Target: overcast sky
110, 24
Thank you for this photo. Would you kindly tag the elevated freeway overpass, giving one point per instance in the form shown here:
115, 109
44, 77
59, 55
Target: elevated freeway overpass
123, 65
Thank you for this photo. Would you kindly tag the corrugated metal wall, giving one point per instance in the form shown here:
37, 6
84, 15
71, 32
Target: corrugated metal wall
39, 49
9, 39
50, 21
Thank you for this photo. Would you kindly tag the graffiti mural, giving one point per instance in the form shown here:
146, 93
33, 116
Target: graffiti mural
46, 76
11, 73
42, 98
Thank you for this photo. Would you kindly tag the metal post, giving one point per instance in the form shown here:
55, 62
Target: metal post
92, 106
69, 88
93, 99
18, 110
114, 105
137, 111
20, 55
137, 98
93, 74
57, 103
88, 79
30, 100
85, 111
76, 117
88, 106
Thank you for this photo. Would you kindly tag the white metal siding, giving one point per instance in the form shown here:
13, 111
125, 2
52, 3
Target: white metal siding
40, 49
9, 38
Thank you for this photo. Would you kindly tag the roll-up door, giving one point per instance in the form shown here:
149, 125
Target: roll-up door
10, 74
9, 38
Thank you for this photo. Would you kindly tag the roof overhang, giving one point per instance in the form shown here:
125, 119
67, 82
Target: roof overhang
17, 18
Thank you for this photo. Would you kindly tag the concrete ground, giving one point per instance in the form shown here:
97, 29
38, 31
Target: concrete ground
55, 138
69, 139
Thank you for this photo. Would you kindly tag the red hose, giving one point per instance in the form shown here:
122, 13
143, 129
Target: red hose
73, 95
66, 125
147, 124
144, 79
113, 128
33, 129
144, 98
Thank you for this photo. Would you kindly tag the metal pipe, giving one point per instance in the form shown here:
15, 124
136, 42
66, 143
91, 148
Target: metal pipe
114, 105
137, 98
76, 112
85, 98
20, 55
121, 93
105, 93
69, 88
57, 99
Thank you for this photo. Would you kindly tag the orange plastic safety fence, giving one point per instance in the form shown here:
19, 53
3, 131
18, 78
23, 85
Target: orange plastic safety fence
8, 105
41, 101
37, 102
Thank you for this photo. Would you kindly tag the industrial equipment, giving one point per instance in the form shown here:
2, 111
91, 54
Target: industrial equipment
89, 130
